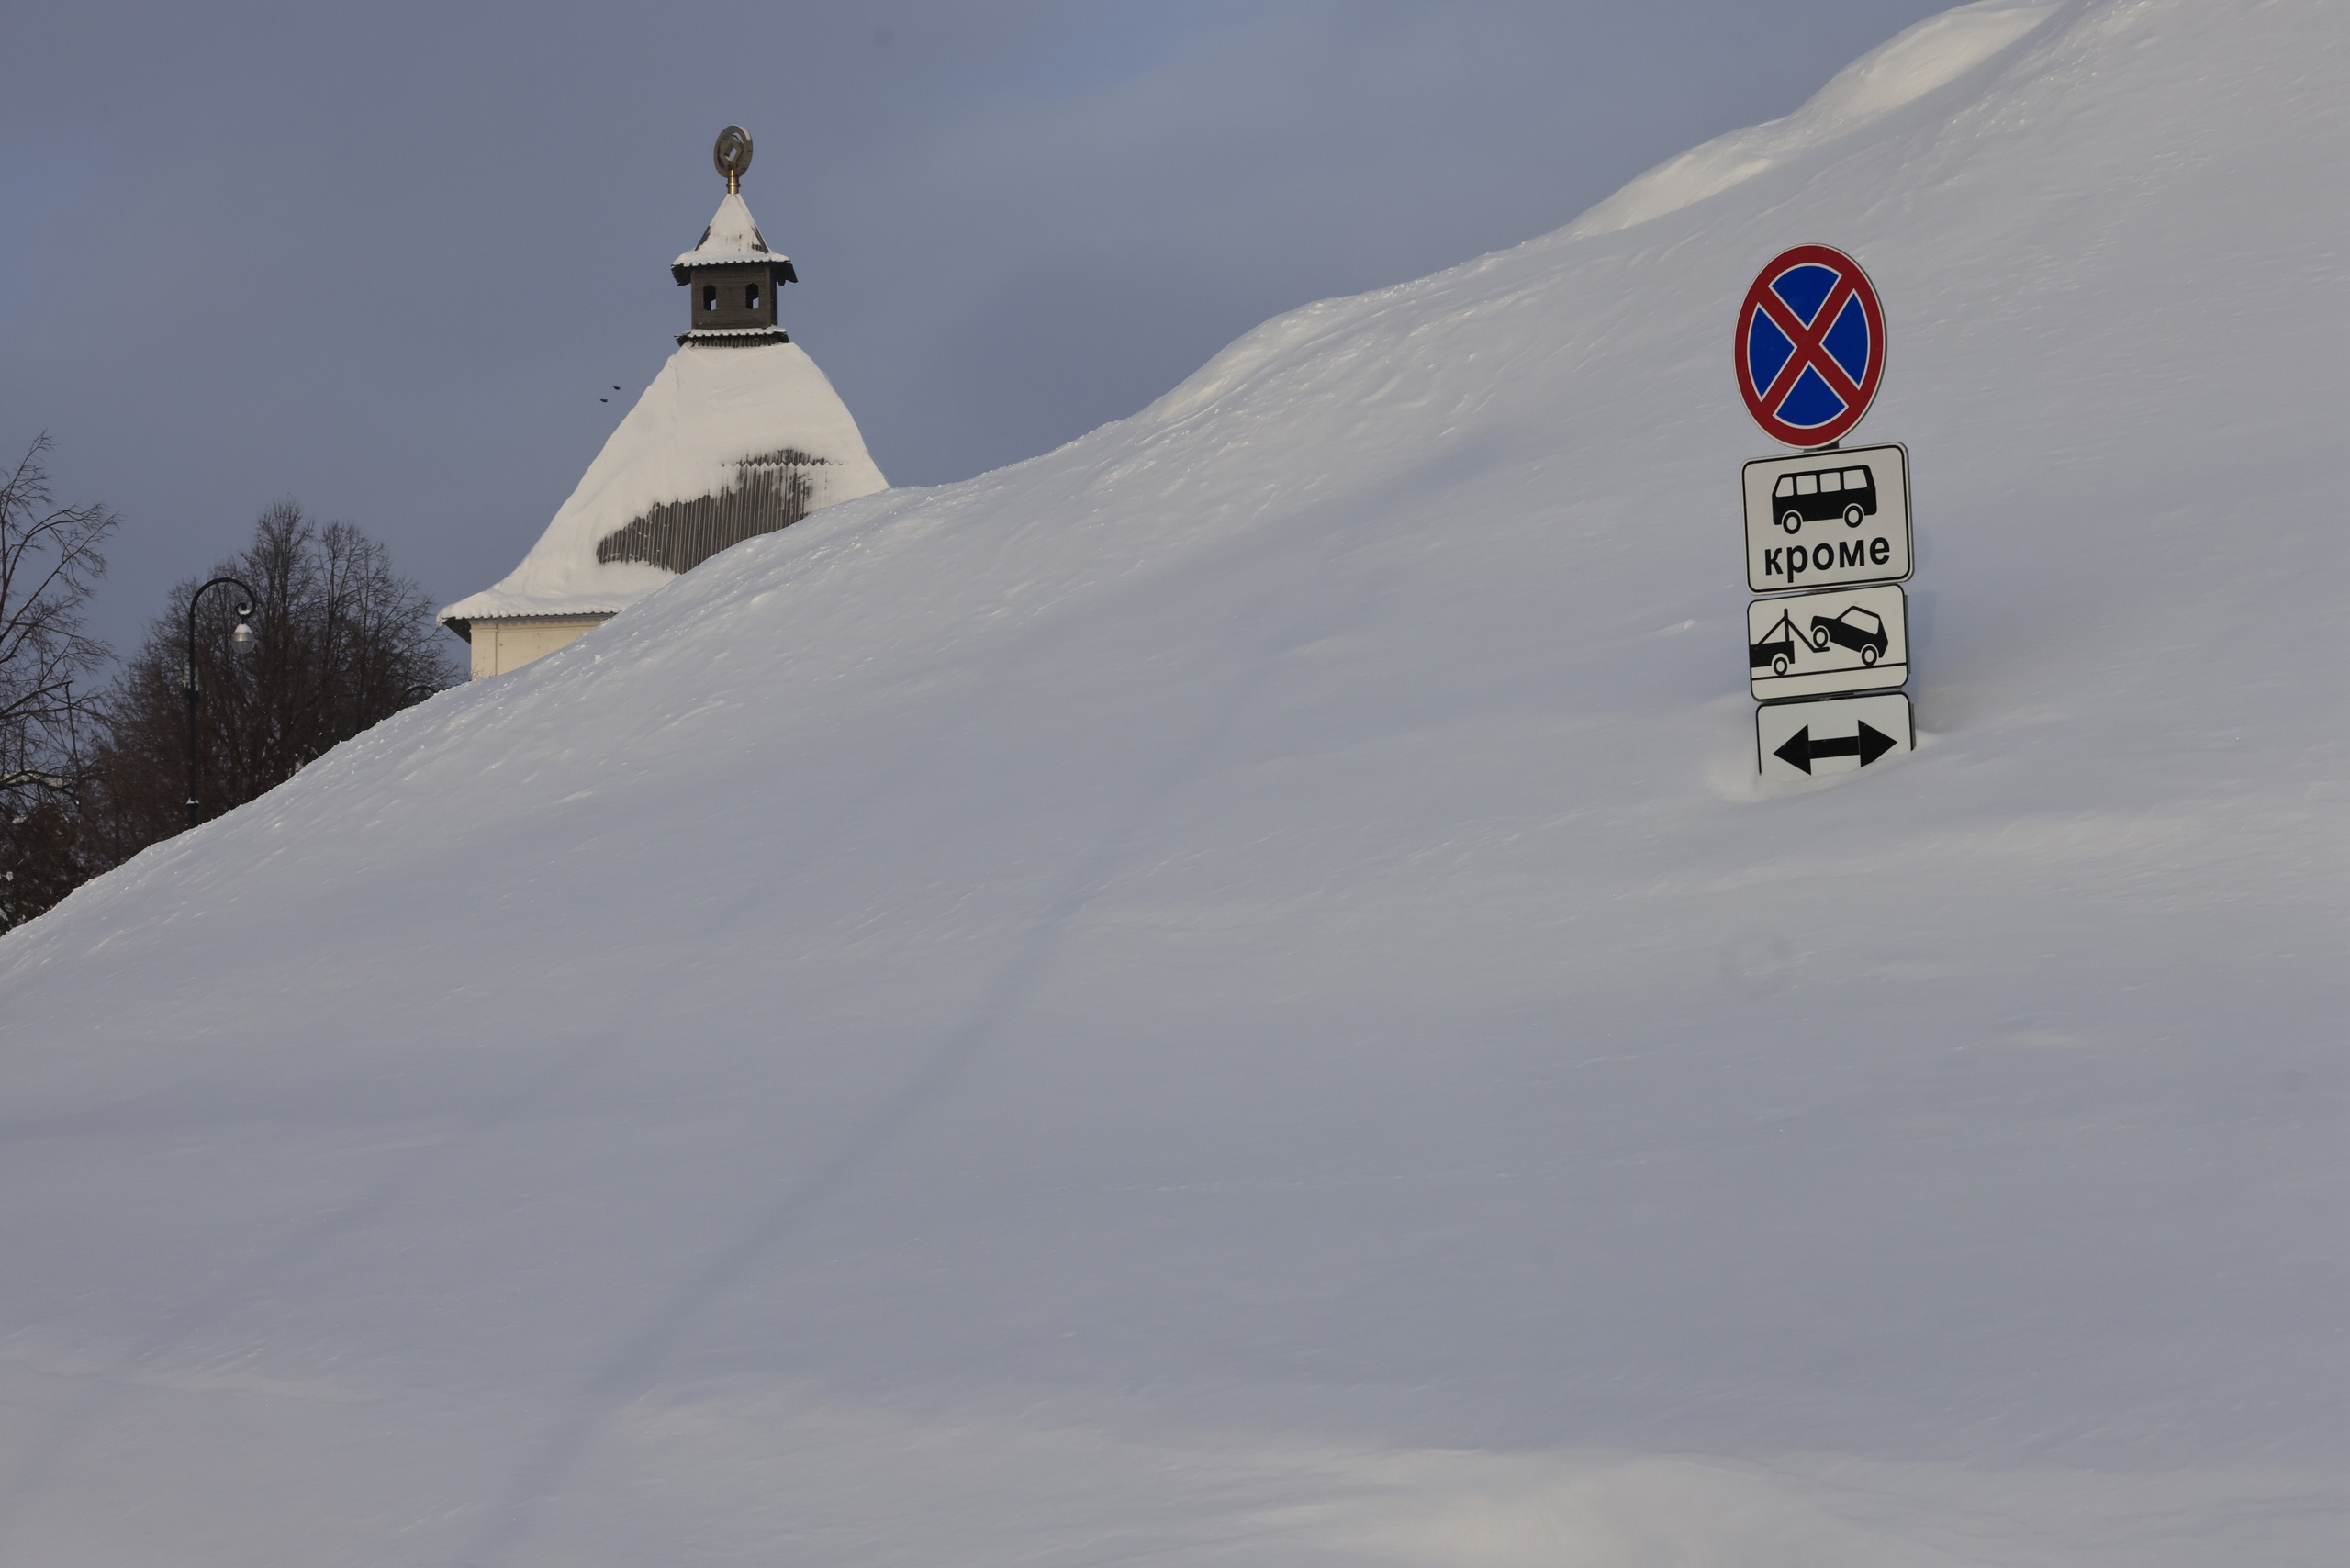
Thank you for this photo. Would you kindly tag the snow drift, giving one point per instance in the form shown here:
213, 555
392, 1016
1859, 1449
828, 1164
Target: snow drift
1227, 994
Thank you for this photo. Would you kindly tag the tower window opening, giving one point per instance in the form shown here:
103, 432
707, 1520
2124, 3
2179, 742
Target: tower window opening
751, 297
709, 297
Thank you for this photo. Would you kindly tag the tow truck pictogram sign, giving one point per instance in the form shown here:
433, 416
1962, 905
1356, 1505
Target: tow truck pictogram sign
1814, 645
1810, 349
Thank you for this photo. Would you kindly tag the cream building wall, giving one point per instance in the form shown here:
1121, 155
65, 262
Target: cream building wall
507, 643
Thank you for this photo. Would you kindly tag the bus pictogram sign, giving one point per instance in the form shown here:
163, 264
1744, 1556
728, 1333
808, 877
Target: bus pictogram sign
1823, 518
1810, 346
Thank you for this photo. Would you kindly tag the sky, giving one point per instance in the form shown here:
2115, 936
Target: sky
389, 261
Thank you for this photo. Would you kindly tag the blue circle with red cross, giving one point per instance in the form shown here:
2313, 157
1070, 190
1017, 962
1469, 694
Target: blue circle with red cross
1810, 346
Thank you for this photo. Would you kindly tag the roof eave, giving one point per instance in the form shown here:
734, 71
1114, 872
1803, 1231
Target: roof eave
780, 267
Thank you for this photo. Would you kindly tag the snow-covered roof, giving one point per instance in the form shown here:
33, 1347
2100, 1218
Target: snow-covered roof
711, 409
733, 237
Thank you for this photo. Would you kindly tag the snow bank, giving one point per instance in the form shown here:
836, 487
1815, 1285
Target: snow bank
1930, 56
1227, 994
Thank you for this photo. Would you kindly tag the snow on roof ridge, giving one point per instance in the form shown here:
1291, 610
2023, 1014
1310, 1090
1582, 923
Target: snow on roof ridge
733, 237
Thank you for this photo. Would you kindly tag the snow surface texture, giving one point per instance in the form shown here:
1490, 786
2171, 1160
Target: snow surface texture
1228, 995
708, 410
1929, 55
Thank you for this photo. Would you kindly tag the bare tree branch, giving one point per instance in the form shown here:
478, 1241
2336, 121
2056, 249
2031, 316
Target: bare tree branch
342, 639
49, 561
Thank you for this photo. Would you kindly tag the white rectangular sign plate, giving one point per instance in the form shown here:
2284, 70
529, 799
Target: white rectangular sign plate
1822, 519
1835, 734
1809, 645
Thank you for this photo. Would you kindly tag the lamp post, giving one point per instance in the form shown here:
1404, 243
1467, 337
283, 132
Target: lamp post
240, 638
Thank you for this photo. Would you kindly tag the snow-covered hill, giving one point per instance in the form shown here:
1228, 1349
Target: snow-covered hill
1227, 994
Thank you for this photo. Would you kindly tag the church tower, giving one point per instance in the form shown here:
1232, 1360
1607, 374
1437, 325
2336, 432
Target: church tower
734, 276
740, 435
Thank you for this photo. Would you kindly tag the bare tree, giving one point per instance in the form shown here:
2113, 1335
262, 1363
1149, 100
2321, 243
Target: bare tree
342, 640
50, 561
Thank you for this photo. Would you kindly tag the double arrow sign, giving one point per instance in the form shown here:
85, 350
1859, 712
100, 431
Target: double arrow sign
1827, 535
1865, 744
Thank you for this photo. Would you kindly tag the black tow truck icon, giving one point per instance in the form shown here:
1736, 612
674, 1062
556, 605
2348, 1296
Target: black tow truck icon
1862, 631
1776, 651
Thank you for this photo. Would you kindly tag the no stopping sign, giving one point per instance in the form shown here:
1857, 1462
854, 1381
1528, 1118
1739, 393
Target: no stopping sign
1810, 346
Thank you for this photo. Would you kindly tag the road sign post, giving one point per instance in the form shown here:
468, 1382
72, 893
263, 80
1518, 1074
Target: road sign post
1827, 529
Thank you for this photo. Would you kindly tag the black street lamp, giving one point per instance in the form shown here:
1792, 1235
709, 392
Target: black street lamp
240, 639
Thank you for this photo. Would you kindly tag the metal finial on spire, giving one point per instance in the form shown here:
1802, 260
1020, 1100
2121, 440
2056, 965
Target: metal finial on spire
732, 156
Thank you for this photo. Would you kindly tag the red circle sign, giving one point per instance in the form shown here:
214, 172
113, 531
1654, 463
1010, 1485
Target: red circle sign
1810, 346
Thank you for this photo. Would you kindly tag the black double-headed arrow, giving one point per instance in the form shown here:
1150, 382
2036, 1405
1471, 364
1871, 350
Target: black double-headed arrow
1868, 743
